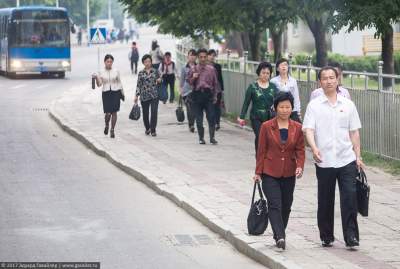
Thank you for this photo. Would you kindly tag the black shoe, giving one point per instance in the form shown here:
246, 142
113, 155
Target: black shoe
191, 129
202, 142
217, 127
213, 141
153, 134
147, 132
281, 244
112, 134
327, 243
106, 130
352, 242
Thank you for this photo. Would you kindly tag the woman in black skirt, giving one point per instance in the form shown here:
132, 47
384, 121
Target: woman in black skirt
113, 92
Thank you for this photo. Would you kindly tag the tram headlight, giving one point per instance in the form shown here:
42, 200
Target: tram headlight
65, 64
16, 64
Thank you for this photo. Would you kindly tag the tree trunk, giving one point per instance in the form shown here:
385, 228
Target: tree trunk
387, 57
255, 44
317, 27
245, 41
276, 37
234, 42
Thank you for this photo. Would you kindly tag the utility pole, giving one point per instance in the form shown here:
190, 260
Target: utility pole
88, 20
57, 3
17, 3
109, 9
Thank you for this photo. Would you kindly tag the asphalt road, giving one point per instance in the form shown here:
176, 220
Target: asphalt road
60, 202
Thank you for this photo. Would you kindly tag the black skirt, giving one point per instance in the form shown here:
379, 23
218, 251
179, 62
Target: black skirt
111, 101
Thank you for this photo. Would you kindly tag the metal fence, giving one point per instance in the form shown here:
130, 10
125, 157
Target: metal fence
379, 109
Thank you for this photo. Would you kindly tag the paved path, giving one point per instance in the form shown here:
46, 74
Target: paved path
213, 183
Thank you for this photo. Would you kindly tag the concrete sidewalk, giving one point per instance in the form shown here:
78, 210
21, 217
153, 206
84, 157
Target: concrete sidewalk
213, 183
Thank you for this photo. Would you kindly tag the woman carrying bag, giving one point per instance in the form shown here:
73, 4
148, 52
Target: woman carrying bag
280, 159
113, 92
147, 88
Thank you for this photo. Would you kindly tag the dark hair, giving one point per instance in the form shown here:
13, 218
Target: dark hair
326, 68
336, 65
283, 96
154, 45
133, 43
202, 50
167, 53
108, 56
262, 66
192, 52
211, 51
281, 60
146, 56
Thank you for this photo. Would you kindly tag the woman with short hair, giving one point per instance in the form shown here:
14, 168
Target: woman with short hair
280, 159
261, 95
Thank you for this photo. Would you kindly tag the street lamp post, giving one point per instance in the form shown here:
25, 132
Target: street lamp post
57, 3
88, 20
17, 3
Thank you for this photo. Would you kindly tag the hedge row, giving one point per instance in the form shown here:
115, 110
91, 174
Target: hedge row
360, 64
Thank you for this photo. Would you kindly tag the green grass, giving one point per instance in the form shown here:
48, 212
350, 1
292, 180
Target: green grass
388, 165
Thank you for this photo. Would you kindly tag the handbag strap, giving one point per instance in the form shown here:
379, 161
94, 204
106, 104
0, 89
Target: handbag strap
180, 103
363, 177
258, 186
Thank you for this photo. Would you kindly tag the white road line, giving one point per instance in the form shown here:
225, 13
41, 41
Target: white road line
19, 86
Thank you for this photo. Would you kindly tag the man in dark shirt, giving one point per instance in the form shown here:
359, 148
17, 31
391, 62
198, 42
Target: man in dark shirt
203, 79
211, 59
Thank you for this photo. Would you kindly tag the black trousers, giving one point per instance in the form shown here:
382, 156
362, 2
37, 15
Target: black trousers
189, 109
279, 193
203, 101
256, 125
169, 80
151, 105
134, 63
218, 109
346, 177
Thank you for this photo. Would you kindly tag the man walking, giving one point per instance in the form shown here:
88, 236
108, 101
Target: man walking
134, 57
211, 59
332, 124
205, 85
167, 70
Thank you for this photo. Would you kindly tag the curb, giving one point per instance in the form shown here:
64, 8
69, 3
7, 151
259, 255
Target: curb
243, 243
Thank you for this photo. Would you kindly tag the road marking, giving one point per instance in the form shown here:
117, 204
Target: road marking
18, 86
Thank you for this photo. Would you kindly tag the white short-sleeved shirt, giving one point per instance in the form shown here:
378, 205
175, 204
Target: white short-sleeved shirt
341, 91
290, 86
332, 124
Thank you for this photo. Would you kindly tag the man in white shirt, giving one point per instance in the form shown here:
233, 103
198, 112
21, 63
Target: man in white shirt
331, 125
340, 90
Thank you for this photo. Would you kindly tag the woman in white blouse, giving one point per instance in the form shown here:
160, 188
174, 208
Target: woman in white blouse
110, 80
287, 83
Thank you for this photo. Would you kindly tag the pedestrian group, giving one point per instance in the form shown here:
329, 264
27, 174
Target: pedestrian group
331, 127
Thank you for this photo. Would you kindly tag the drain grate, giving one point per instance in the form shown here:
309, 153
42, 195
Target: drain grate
40, 109
187, 240
204, 239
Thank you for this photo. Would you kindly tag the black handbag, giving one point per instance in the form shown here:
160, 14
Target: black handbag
363, 190
180, 114
257, 221
135, 112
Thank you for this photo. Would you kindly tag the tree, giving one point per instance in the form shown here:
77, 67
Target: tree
362, 14
317, 15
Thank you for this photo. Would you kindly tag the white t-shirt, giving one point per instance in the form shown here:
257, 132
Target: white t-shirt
290, 86
332, 124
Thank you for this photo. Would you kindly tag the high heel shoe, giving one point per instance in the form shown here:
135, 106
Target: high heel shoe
106, 130
112, 134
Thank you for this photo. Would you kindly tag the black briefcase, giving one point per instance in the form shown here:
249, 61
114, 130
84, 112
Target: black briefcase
363, 191
257, 221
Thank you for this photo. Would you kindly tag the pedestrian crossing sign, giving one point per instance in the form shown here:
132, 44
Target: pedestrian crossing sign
97, 35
